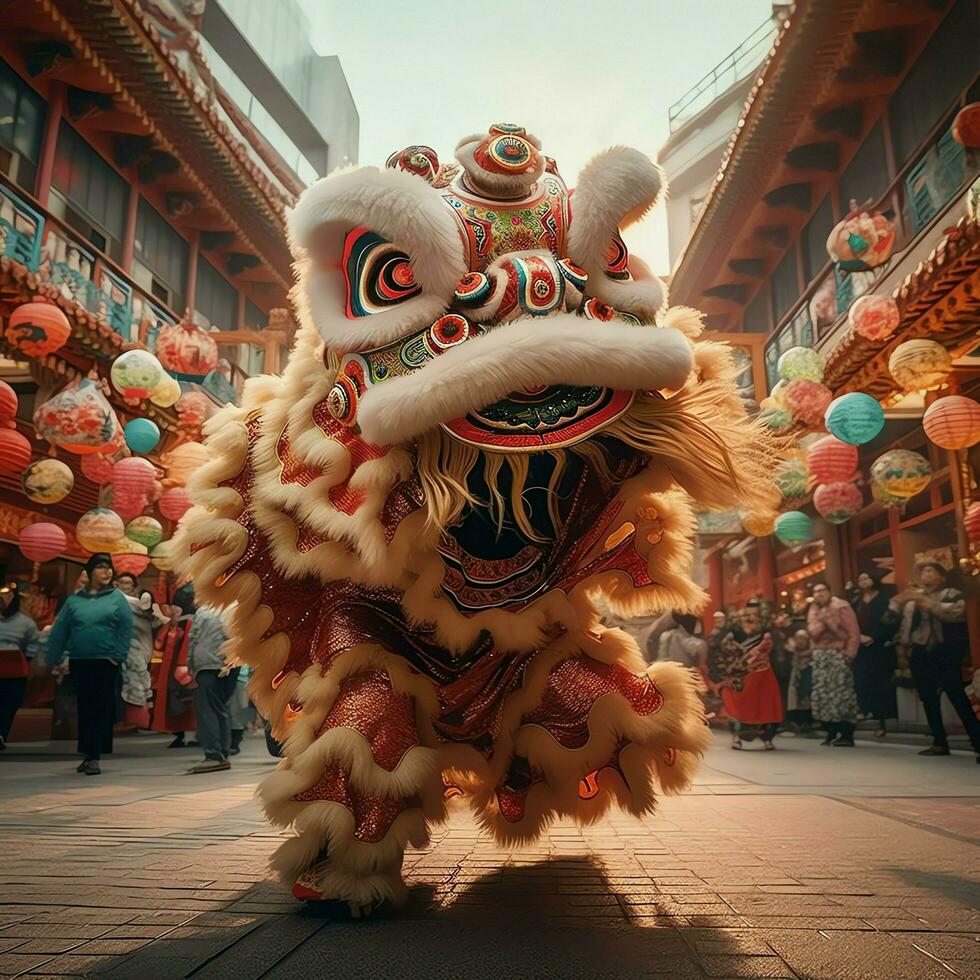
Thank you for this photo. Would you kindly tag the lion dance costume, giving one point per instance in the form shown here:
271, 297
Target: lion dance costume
489, 421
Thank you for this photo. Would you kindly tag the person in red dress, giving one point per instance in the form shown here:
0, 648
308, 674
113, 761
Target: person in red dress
173, 697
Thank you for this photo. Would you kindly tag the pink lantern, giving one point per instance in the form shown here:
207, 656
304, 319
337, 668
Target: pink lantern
174, 503
133, 476
97, 468
832, 460
808, 400
186, 348
42, 541
953, 422
131, 564
15, 451
838, 502
8, 403
874, 317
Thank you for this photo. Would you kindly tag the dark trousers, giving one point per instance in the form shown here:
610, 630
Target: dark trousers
933, 673
211, 699
11, 697
95, 689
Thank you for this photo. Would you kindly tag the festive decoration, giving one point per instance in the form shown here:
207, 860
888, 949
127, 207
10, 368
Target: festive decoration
142, 435
96, 468
874, 316
174, 503
862, 240
920, 365
885, 498
792, 477
42, 541
777, 419
831, 460
808, 400
15, 451
99, 530
823, 305
131, 564
953, 422
966, 126
838, 502
854, 418
46, 481
758, 525
135, 374
793, 528
901, 472
185, 348
145, 530
192, 411
971, 522
167, 392
134, 476
79, 419
38, 328
9, 403
800, 364
182, 462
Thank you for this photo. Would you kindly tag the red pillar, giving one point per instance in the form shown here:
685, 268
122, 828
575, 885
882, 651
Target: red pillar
129, 235
49, 141
192, 255
767, 569
716, 587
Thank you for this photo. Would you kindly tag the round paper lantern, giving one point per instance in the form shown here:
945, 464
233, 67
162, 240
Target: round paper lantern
874, 317
808, 400
920, 365
832, 461
885, 498
174, 503
186, 348
793, 528
971, 521
142, 435
132, 564
758, 525
8, 403
15, 452
145, 530
838, 502
99, 530
38, 328
862, 240
167, 392
79, 419
901, 472
183, 461
792, 477
46, 481
800, 364
776, 419
953, 422
134, 476
98, 469
42, 541
966, 126
854, 418
135, 374
162, 558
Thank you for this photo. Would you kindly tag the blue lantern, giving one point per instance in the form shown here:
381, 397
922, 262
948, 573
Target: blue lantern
855, 418
142, 435
793, 528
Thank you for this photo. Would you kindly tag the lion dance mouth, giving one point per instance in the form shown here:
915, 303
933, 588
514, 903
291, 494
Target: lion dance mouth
491, 426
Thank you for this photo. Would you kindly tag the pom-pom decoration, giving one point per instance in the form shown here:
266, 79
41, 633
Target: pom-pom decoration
42, 541
758, 525
808, 400
15, 452
145, 530
79, 419
793, 528
135, 374
167, 392
800, 364
186, 348
838, 502
792, 478
831, 460
37, 328
971, 522
854, 418
874, 316
862, 240
182, 462
953, 422
46, 481
142, 435
901, 472
99, 530
920, 365
174, 503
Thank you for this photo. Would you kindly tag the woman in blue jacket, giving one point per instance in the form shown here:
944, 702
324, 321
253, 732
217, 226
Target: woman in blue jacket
95, 626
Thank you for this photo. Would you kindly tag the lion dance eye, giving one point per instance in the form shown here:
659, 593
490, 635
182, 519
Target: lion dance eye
377, 274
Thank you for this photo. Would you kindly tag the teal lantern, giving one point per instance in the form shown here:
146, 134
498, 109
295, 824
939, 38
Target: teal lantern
855, 418
794, 528
142, 435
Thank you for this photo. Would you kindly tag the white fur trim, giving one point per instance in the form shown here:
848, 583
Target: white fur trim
562, 349
404, 210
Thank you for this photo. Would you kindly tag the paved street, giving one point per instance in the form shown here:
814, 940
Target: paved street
805, 862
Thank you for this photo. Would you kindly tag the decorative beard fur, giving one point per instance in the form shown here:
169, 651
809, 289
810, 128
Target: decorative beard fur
489, 419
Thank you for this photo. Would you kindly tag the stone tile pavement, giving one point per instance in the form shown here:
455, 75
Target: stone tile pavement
806, 862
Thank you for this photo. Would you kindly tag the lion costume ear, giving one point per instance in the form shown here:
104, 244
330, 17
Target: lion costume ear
614, 190
378, 255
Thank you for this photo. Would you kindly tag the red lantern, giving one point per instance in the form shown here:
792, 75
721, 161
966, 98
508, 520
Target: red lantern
38, 328
808, 400
97, 468
186, 348
15, 451
831, 460
174, 503
838, 502
42, 541
971, 521
131, 564
966, 126
874, 316
8, 403
134, 476
953, 422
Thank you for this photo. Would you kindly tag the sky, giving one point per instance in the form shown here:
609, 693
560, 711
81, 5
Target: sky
579, 75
